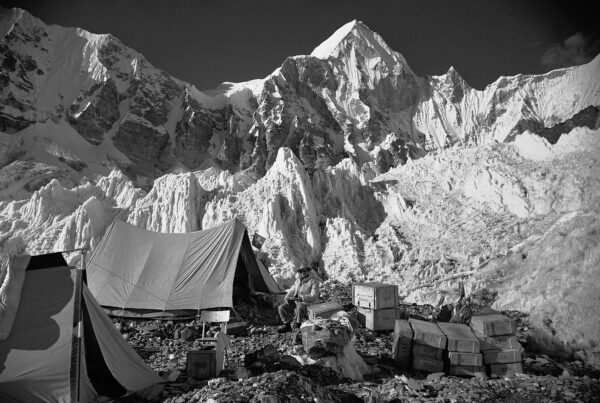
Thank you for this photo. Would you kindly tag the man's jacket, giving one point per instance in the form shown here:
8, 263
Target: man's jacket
306, 289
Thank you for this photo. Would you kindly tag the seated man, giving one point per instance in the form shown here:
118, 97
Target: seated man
303, 293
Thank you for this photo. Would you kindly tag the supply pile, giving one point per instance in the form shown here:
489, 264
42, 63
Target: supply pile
376, 305
501, 350
489, 345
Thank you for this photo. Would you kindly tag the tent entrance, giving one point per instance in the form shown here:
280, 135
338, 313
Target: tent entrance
100, 376
242, 284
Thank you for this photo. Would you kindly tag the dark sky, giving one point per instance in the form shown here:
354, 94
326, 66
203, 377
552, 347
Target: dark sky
211, 41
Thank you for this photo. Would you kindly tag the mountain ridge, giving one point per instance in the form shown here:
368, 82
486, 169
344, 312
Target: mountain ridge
361, 100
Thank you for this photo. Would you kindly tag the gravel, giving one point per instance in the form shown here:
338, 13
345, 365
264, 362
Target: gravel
544, 379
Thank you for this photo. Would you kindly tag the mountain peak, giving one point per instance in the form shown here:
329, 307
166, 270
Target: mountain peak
8, 18
356, 37
354, 28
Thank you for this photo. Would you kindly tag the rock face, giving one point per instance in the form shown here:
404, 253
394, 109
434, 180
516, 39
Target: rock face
82, 103
343, 158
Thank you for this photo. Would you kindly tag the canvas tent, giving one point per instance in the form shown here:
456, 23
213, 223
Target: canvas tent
139, 272
44, 360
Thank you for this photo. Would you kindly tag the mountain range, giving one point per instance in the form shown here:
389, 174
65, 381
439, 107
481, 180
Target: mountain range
343, 158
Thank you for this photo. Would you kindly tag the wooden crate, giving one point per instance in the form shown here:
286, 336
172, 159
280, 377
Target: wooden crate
464, 370
375, 295
427, 351
466, 359
377, 319
428, 333
460, 337
493, 324
324, 310
201, 364
508, 369
402, 343
501, 356
506, 342
427, 364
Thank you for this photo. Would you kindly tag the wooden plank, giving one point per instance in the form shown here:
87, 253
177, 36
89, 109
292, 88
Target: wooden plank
427, 351
501, 356
468, 359
428, 333
402, 343
460, 337
506, 342
427, 364
493, 324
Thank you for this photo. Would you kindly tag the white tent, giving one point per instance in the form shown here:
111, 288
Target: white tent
44, 360
140, 271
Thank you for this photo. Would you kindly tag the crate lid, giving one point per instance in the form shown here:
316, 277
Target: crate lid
425, 327
374, 285
457, 331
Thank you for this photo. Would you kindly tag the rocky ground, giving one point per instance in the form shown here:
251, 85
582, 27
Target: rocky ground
544, 379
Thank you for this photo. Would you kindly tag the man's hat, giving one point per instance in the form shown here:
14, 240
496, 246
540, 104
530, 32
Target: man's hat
303, 268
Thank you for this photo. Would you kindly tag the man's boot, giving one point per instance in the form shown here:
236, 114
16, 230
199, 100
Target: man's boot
286, 327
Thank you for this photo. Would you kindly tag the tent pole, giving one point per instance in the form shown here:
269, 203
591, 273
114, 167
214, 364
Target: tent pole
80, 322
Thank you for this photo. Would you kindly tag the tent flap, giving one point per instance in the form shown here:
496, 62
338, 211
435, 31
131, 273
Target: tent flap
128, 369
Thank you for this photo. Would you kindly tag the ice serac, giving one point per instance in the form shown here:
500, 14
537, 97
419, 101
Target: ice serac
174, 205
56, 218
281, 207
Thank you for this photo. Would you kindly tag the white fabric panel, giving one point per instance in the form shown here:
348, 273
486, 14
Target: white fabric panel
206, 280
159, 273
124, 254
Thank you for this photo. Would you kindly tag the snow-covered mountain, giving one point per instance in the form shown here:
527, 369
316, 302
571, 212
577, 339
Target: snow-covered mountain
76, 104
342, 158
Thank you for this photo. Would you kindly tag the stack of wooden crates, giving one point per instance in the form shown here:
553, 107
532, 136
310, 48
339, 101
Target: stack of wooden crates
457, 348
376, 305
500, 347
429, 343
464, 356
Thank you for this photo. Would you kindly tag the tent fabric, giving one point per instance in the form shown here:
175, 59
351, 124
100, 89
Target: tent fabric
272, 285
38, 360
35, 359
12, 278
125, 365
136, 269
